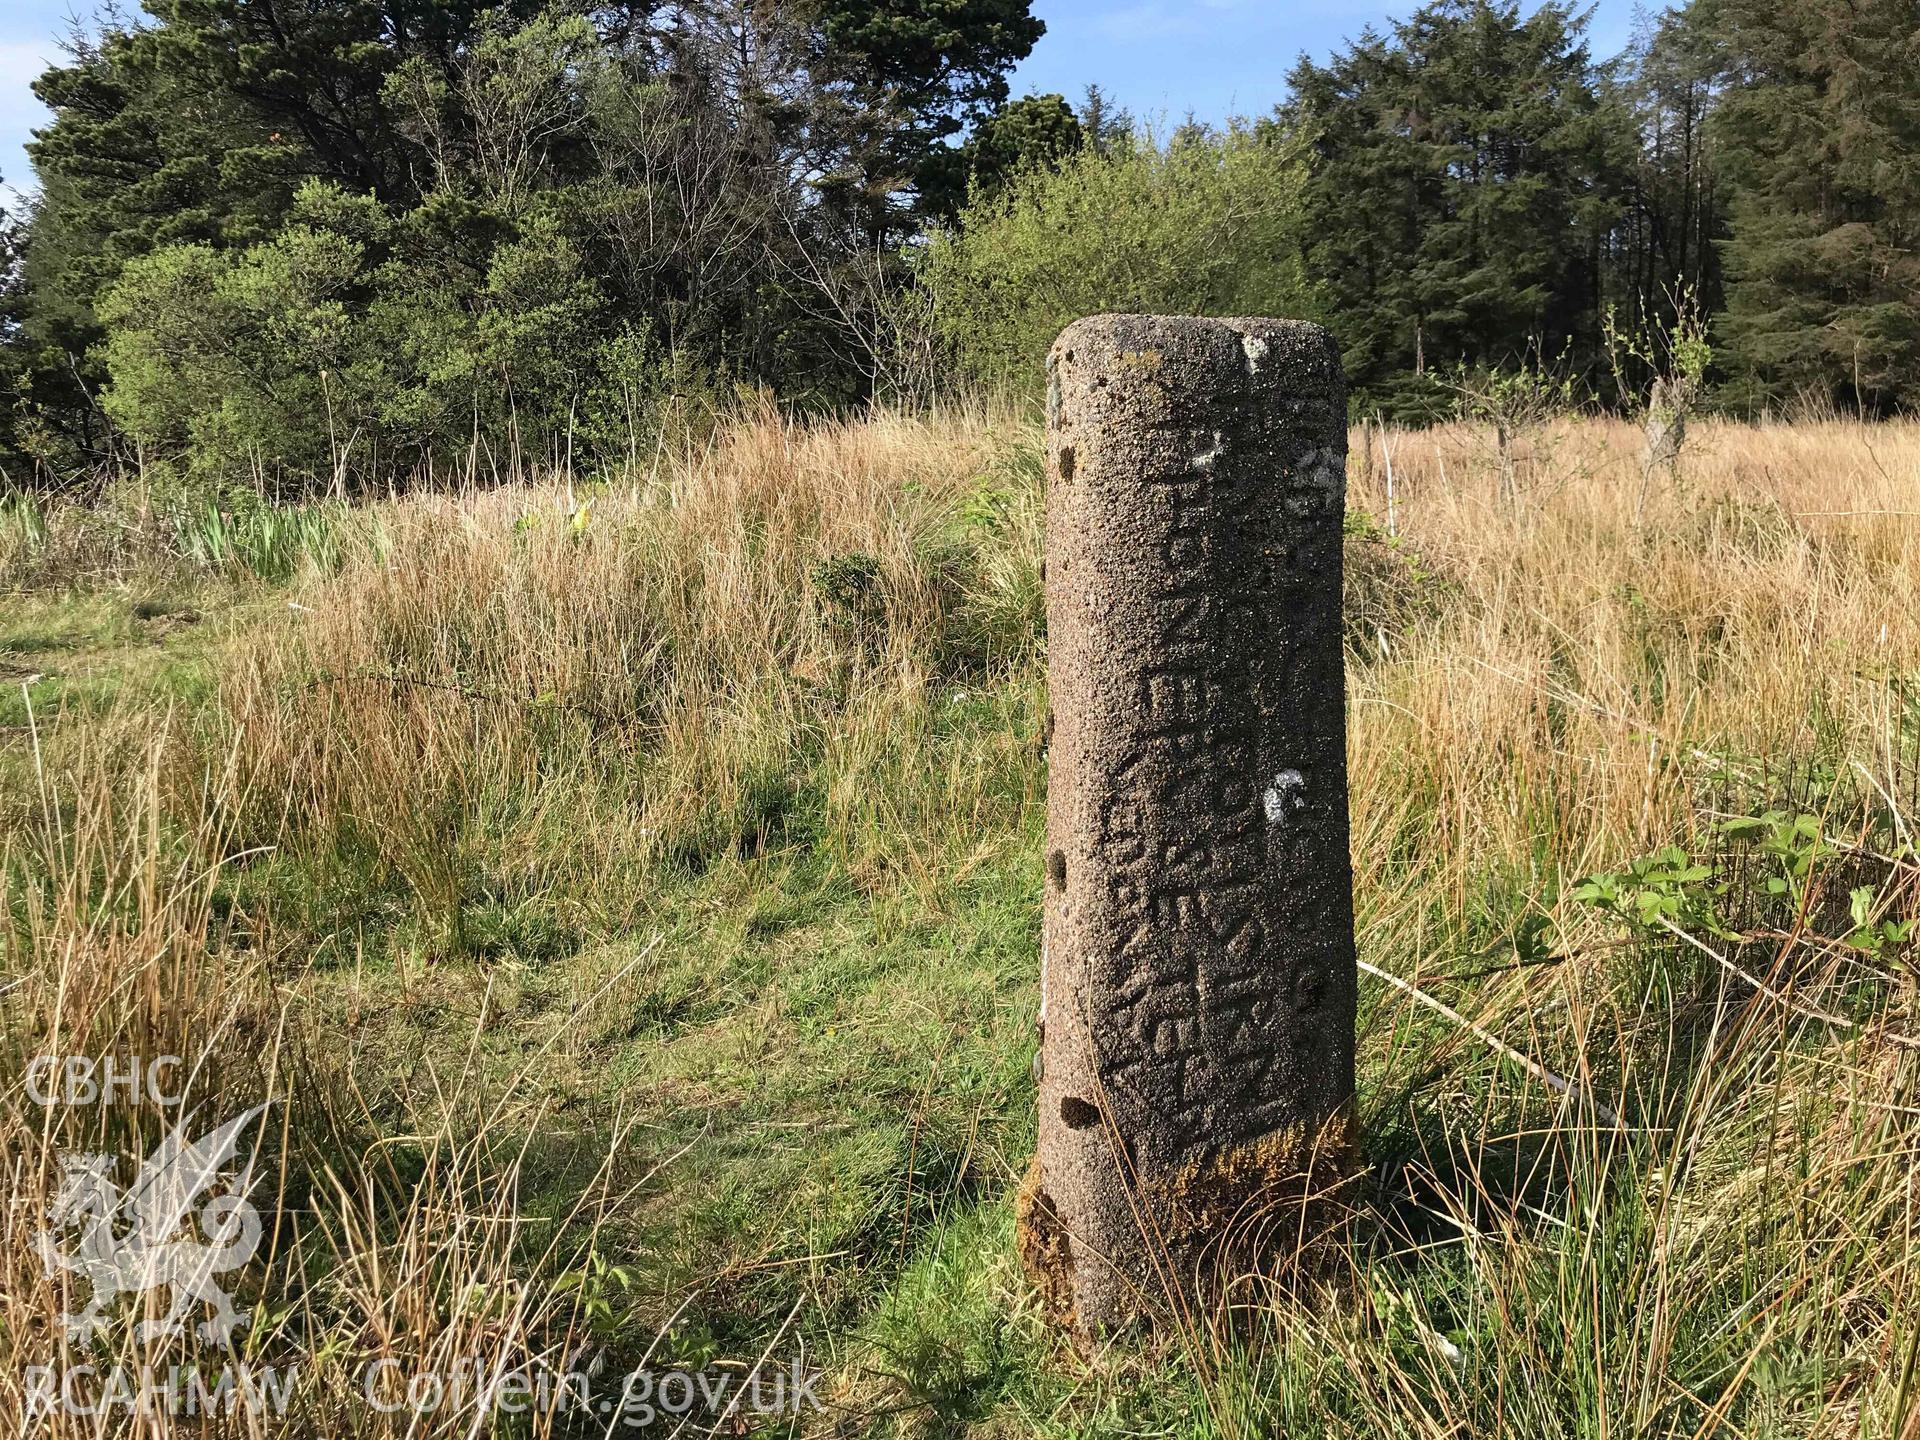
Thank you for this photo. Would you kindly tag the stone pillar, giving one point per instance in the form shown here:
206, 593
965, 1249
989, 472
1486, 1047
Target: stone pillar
1198, 977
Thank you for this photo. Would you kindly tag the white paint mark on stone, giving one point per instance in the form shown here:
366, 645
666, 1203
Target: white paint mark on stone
1204, 461
1256, 348
1285, 797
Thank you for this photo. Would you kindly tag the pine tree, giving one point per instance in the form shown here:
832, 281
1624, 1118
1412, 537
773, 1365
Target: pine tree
1103, 123
1819, 136
915, 74
1467, 170
1666, 245
1034, 130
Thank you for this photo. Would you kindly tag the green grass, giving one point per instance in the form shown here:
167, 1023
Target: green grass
87, 651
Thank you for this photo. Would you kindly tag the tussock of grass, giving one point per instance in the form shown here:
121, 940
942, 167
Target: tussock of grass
630, 896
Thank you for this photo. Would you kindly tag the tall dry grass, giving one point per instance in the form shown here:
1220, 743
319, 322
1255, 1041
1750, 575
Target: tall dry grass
1593, 684
572, 688
390, 1244
1632, 1180
1590, 675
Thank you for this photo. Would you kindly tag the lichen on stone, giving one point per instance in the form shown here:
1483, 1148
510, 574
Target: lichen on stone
1045, 1251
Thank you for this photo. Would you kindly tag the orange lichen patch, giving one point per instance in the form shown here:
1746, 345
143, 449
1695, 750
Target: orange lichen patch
1253, 1188
1045, 1251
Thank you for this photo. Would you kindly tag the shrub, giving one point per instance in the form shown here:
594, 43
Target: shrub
500, 352
235, 360
1206, 225
355, 341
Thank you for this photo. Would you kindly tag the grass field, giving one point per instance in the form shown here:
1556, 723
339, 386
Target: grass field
627, 895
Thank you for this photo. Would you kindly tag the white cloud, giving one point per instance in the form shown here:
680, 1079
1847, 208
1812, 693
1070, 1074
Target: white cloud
21, 63
1158, 19
1150, 21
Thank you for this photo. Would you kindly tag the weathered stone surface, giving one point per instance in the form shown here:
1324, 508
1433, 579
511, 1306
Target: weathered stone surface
1198, 982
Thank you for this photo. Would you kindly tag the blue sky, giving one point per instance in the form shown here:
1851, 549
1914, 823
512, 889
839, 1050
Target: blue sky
1159, 58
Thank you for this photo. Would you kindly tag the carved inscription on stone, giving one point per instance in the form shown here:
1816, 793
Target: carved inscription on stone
1198, 922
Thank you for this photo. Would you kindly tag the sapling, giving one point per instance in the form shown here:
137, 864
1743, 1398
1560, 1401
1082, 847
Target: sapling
1676, 354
